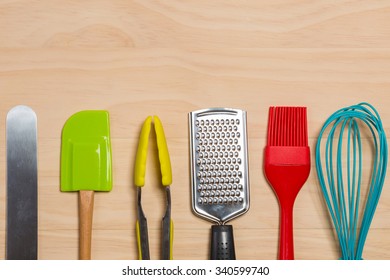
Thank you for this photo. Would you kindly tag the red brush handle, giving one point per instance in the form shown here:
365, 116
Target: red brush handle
286, 240
287, 169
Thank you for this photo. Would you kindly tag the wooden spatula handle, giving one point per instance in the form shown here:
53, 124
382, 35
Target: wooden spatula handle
86, 199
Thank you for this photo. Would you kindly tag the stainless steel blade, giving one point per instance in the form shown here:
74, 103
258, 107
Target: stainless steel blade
22, 182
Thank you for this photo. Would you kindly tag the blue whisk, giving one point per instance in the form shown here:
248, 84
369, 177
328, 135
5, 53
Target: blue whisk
341, 179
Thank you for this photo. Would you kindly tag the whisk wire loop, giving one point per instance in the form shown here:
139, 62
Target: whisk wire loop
344, 196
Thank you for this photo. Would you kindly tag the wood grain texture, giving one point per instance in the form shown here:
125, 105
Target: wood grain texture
167, 58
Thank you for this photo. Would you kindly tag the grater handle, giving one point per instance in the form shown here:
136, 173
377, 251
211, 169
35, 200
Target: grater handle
222, 243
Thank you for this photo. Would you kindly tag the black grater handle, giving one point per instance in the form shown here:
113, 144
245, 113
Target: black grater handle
222, 243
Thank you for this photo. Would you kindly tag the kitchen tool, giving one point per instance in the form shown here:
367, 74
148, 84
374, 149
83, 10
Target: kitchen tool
22, 184
351, 206
219, 172
287, 166
139, 181
86, 166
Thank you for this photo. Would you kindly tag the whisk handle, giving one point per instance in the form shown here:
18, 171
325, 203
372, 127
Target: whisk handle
286, 240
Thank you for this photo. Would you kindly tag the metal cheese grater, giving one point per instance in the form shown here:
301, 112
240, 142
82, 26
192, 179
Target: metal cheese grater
219, 172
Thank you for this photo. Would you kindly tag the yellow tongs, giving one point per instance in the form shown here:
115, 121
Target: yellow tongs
139, 181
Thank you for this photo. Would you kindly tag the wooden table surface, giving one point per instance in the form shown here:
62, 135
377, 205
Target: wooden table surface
167, 58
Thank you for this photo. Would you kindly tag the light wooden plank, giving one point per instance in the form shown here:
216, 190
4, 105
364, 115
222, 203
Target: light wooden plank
204, 24
310, 244
140, 58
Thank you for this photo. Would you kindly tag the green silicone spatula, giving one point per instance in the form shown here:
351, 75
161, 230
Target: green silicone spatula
86, 166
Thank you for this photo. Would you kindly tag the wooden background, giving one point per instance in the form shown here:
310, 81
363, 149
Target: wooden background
167, 58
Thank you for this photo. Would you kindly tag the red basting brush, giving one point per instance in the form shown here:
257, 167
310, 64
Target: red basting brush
287, 166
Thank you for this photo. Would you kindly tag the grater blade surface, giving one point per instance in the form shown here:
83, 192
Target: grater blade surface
219, 163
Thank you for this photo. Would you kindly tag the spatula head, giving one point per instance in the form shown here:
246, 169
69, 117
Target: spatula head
86, 152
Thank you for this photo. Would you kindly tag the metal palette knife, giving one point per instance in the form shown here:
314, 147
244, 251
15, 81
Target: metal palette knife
22, 182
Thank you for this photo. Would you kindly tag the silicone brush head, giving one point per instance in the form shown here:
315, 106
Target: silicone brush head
287, 126
86, 152
287, 165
